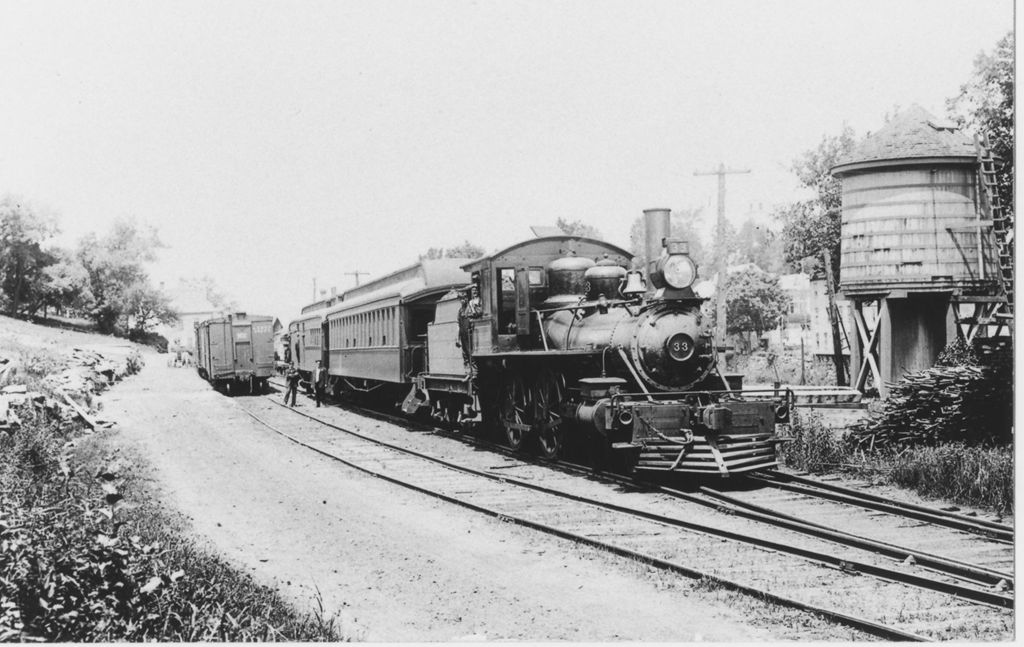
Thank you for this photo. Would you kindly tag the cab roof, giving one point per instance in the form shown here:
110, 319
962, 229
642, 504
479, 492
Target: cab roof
550, 246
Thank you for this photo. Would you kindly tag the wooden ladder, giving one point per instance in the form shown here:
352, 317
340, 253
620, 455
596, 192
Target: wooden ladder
1002, 226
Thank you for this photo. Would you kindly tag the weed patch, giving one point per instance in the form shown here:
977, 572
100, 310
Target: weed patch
980, 476
814, 448
969, 475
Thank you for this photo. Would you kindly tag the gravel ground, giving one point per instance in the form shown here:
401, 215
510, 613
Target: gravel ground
391, 564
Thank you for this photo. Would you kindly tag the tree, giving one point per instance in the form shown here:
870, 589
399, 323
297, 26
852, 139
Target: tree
812, 226
755, 303
683, 224
211, 291
985, 105
756, 243
578, 228
146, 306
23, 231
465, 250
66, 284
115, 268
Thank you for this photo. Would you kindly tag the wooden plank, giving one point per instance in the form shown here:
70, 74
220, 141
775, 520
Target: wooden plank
83, 414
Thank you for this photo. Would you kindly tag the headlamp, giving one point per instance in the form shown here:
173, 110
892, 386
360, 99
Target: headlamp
679, 271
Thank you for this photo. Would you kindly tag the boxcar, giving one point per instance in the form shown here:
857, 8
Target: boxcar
236, 352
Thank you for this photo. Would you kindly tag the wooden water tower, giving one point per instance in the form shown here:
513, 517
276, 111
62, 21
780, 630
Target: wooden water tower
917, 245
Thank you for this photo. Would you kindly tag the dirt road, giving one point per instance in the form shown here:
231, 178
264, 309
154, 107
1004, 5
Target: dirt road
393, 565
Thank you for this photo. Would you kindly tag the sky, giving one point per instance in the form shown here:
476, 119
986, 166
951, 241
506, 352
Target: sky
274, 143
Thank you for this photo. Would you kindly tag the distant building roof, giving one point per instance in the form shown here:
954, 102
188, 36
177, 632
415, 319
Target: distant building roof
914, 133
798, 281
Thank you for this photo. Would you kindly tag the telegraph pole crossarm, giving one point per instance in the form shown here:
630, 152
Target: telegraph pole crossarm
357, 274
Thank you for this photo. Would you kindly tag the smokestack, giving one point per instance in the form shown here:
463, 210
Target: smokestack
656, 226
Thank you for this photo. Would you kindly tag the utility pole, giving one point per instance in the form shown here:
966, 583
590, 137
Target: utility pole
357, 274
314, 288
833, 318
720, 253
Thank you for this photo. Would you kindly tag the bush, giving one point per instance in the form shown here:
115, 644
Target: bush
149, 338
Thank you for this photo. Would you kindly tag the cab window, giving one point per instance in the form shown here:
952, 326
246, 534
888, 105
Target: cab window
506, 300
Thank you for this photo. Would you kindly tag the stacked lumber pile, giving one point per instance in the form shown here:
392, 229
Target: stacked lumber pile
970, 404
66, 394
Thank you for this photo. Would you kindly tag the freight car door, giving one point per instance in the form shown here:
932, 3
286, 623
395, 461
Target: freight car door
221, 360
243, 348
263, 346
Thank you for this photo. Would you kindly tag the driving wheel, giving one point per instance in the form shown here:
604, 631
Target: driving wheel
548, 393
514, 410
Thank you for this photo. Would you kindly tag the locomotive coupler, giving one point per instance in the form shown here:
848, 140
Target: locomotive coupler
716, 418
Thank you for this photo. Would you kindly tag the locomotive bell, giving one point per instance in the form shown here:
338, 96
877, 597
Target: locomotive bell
604, 278
633, 284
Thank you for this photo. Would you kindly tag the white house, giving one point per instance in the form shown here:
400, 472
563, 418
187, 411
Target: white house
192, 306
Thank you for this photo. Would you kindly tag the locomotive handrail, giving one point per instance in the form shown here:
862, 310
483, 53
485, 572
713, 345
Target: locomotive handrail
667, 395
584, 305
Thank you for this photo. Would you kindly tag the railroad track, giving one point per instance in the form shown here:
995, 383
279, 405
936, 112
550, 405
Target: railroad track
994, 568
746, 550
960, 559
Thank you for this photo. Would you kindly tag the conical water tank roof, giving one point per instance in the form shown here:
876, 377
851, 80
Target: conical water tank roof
914, 135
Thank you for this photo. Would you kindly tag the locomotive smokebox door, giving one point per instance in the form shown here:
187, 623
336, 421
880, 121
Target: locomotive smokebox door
523, 301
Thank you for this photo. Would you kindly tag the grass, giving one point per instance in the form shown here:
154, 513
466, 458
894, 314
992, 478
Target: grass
87, 556
976, 476
28, 365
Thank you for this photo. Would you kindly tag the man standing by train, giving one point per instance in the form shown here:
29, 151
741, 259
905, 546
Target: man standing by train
292, 380
319, 382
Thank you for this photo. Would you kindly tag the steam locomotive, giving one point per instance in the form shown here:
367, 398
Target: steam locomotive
552, 341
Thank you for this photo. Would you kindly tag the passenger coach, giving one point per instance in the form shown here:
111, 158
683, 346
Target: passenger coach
376, 336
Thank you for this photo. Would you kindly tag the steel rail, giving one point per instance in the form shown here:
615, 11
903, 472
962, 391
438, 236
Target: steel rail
991, 598
957, 568
792, 478
863, 624
891, 507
